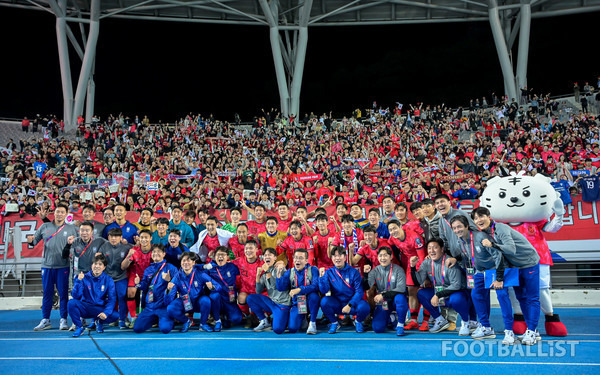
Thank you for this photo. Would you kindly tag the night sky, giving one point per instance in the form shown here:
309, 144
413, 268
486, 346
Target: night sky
165, 70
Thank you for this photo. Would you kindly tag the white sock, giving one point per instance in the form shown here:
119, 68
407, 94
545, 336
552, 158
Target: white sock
218, 321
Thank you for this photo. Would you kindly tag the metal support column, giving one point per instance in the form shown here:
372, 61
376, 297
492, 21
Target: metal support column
522, 58
502, 49
89, 104
63, 57
301, 45
88, 60
289, 54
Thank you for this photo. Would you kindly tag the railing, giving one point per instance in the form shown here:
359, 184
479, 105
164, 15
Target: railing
28, 278
16, 277
575, 275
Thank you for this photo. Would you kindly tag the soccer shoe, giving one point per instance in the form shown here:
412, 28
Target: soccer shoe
411, 325
99, 326
264, 325
73, 327
122, 324
334, 327
439, 325
206, 328
473, 324
452, 326
483, 333
359, 326
464, 329
538, 337
312, 328
528, 338
186, 326
519, 325
44, 324
218, 326
554, 327
91, 327
78, 331
132, 322
424, 326
63, 326
400, 330
509, 337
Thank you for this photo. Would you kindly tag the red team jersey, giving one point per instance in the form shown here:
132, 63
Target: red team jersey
411, 246
255, 228
140, 262
283, 224
305, 242
414, 226
534, 232
368, 252
322, 249
211, 244
246, 281
238, 248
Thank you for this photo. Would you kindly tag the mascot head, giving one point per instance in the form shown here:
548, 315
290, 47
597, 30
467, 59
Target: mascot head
519, 198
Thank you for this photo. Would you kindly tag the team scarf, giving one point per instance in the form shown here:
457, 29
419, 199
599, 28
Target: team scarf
354, 240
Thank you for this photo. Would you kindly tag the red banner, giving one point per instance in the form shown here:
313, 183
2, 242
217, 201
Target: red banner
307, 177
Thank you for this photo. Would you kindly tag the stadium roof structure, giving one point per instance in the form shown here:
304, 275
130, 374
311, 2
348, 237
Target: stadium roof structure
289, 21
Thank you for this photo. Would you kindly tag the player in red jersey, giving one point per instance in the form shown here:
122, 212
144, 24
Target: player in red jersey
136, 262
285, 219
246, 281
259, 224
238, 243
297, 240
401, 212
409, 244
351, 239
322, 239
301, 216
373, 244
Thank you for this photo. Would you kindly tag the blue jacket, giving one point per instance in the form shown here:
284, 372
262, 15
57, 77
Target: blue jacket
159, 286
173, 254
185, 285
97, 291
225, 276
331, 281
129, 231
284, 283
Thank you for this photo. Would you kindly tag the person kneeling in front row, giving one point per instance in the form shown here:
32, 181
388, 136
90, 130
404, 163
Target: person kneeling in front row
188, 292
277, 302
449, 285
154, 285
390, 280
345, 284
94, 296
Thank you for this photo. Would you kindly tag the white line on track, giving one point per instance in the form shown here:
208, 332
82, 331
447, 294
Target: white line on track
337, 360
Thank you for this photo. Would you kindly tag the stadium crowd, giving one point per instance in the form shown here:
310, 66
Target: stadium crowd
367, 261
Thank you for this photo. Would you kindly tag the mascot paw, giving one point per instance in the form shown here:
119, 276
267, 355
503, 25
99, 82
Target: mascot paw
519, 325
554, 327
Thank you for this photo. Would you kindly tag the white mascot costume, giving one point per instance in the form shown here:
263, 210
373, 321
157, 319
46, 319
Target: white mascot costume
526, 203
